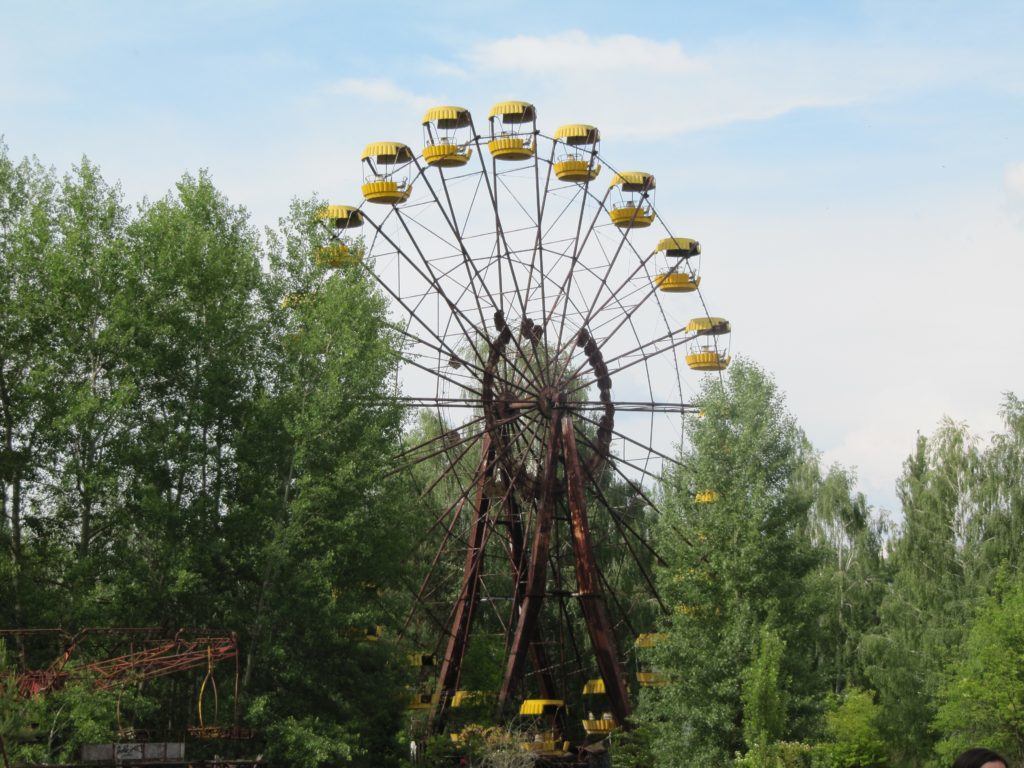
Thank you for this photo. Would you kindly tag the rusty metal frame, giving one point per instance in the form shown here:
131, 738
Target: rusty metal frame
588, 586
524, 634
469, 593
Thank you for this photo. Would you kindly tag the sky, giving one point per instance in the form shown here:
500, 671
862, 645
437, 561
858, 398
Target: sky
853, 171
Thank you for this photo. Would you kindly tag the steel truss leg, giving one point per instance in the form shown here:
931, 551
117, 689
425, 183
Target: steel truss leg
602, 636
538, 654
469, 594
525, 632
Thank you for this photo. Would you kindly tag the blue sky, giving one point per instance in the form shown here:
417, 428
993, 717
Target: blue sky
855, 171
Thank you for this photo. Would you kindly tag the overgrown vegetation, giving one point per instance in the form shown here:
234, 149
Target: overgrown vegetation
804, 631
178, 449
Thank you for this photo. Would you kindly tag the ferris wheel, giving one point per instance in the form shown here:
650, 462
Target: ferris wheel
551, 322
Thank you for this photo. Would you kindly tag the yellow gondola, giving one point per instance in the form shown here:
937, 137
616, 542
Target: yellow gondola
546, 744
335, 255
594, 691
673, 277
340, 216
579, 145
633, 208
385, 180
649, 639
650, 679
601, 726
546, 741
420, 701
466, 698
513, 130
707, 359
647, 677
678, 247
677, 282
422, 660
708, 326
335, 218
537, 707
445, 140
706, 497
712, 355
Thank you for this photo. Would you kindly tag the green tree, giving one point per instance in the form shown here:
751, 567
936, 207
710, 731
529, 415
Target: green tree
995, 528
764, 699
851, 579
81, 481
981, 700
27, 206
179, 449
338, 528
734, 564
925, 608
853, 735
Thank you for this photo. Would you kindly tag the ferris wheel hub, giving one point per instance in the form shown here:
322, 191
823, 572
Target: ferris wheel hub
548, 399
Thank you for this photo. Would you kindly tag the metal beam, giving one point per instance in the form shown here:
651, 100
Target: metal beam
465, 608
526, 622
517, 554
588, 587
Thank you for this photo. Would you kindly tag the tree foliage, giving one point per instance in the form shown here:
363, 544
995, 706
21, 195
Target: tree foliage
981, 700
179, 450
196, 430
853, 733
737, 564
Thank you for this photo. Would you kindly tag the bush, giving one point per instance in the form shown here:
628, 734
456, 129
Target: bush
854, 739
781, 754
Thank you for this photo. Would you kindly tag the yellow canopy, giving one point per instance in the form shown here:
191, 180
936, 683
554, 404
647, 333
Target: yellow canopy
448, 117
514, 111
578, 133
713, 326
337, 212
538, 706
466, 697
419, 701
649, 639
388, 152
593, 687
672, 244
633, 180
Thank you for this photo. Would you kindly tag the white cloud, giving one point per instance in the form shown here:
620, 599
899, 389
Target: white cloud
638, 87
642, 87
576, 53
377, 89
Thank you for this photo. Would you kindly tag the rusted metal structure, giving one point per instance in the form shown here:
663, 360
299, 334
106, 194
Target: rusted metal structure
131, 655
146, 653
540, 318
113, 658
